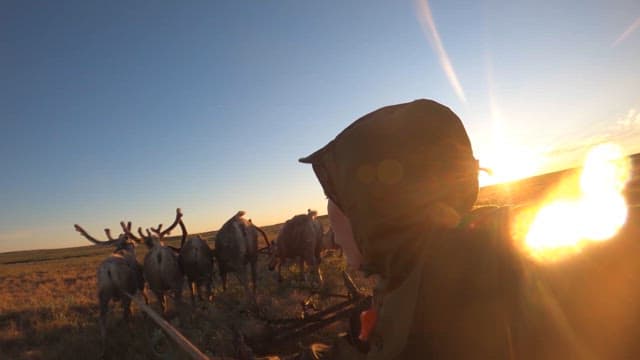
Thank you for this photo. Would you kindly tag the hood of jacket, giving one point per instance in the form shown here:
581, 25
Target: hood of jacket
397, 173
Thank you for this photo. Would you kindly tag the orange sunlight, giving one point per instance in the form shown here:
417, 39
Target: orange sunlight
507, 159
508, 163
575, 216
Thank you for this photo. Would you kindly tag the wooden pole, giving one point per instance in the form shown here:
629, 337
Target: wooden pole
172, 332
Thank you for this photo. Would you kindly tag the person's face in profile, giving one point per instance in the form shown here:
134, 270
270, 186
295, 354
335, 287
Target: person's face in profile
344, 235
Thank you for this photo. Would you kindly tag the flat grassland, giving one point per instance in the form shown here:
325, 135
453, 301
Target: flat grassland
49, 307
48, 303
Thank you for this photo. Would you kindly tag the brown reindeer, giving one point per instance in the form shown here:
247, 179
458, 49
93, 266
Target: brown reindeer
196, 261
236, 245
301, 238
329, 243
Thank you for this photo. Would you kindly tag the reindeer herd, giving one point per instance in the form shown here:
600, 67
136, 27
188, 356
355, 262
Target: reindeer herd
165, 267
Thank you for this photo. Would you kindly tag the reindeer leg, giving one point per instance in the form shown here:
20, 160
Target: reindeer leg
199, 284
303, 276
242, 278
104, 308
178, 304
209, 290
223, 275
126, 309
140, 282
224, 282
319, 272
253, 276
145, 296
193, 290
161, 301
280, 272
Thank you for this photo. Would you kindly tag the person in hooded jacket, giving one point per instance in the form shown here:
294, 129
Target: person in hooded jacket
401, 184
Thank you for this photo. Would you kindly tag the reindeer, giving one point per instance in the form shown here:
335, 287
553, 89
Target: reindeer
118, 275
313, 214
236, 245
300, 237
161, 267
329, 243
196, 261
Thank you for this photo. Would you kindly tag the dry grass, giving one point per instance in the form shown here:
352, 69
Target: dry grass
49, 310
48, 304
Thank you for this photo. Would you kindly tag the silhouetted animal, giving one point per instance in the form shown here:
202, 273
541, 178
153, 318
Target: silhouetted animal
329, 242
118, 274
196, 260
161, 268
236, 246
301, 238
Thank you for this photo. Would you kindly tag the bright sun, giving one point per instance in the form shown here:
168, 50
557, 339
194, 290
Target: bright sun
508, 163
572, 218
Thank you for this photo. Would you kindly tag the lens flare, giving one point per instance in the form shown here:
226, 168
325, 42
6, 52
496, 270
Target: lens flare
571, 220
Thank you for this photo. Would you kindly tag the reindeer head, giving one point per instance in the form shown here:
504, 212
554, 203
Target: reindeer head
122, 243
149, 239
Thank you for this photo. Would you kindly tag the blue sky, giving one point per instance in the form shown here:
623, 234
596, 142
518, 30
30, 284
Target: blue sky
127, 110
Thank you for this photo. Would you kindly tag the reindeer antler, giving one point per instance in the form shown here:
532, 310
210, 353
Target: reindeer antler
264, 235
127, 231
184, 233
164, 233
107, 231
86, 235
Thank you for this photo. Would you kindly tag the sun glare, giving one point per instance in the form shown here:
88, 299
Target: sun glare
508, 163
572, 219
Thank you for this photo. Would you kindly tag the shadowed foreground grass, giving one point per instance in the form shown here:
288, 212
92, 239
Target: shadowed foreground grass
49, 307
48, 302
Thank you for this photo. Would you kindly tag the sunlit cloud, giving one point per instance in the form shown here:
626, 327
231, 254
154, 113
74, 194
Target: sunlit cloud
631, 121
623, 130
429, 26
633, 27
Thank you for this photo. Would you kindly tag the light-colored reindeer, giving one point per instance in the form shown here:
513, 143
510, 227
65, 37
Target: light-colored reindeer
161, 267
118, 274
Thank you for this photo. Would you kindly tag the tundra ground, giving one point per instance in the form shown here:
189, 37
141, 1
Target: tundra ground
49, 308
